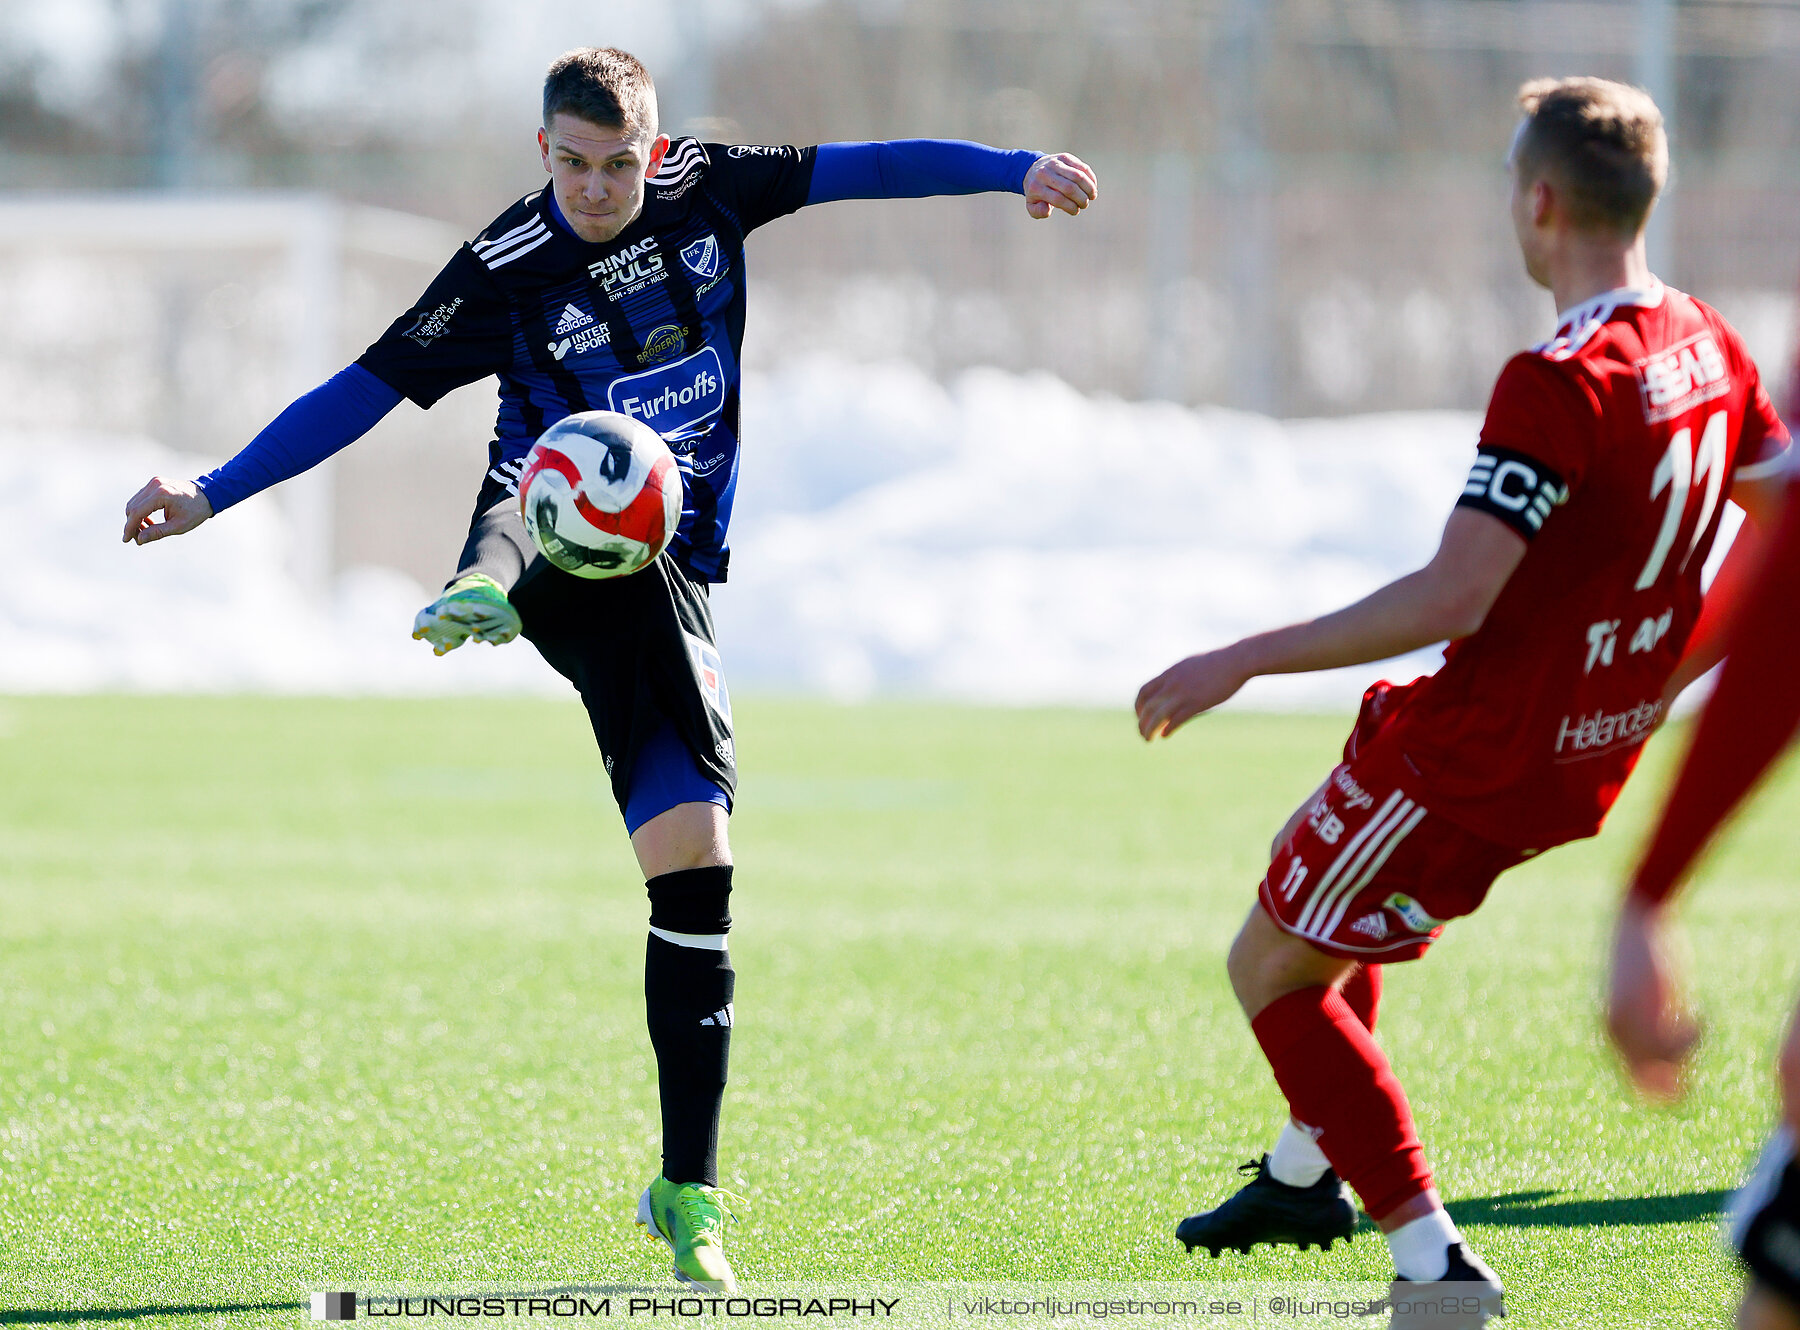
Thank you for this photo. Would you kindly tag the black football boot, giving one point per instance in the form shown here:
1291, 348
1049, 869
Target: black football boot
1271, 1211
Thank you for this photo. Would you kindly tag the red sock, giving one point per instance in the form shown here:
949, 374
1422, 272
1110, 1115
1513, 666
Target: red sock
1336, 1078
1362, 994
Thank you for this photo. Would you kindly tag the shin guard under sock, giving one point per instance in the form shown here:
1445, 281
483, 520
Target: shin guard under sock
688, 983
1337, 1079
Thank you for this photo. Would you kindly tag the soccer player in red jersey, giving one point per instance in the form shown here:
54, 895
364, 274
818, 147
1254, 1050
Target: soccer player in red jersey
1567, 584
1749, 722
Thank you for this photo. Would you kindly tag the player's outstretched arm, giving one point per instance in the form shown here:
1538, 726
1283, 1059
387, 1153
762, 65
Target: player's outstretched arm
926, 168
1447, 598
1746, 726
329, 418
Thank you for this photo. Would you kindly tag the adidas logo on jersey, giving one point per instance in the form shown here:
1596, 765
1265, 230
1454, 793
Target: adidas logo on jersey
1371, 925
572, 319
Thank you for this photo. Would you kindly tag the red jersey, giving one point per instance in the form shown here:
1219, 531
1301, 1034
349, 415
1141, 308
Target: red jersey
1610, 448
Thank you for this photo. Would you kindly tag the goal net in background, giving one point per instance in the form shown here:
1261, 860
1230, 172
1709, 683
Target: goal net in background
191, 320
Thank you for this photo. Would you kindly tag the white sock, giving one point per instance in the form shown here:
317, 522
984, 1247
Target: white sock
1421, 1247
1297, 1159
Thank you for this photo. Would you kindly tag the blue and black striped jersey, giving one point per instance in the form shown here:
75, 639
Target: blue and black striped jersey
649, 324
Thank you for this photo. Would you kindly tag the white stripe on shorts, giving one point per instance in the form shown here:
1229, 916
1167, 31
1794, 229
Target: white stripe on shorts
1368, 875
1323, 894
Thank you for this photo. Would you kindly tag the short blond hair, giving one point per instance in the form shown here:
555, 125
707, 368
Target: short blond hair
1601, 143
604, 86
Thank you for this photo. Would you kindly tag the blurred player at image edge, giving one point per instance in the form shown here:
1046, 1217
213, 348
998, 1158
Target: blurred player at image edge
1748, 723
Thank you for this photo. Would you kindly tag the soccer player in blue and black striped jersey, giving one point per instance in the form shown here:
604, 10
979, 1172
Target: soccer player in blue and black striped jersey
620, 286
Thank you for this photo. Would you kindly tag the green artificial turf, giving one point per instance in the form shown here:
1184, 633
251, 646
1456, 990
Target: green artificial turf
297, 994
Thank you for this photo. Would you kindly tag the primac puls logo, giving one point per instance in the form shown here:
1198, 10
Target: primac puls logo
679, 400
630, 270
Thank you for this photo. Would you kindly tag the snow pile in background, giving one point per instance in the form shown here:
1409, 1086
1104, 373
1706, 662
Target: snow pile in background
1004, 539
1008, 539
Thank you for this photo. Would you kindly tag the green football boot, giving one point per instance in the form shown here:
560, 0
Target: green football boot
471, 606
690, 1217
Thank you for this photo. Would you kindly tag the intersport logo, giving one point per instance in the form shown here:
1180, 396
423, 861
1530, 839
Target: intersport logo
583, 340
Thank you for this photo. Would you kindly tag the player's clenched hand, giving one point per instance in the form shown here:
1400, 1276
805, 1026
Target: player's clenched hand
181, 502
1060, 180
1185, 689
1645, 1014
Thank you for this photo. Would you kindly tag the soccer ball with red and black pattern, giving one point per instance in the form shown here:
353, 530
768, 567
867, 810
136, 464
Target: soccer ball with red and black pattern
601, 494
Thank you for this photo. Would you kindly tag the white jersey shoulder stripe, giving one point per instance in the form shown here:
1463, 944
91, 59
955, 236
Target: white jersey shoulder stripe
680, 153
679, 162
1576, 327
489, 252
492, 241
673, 173
521, 250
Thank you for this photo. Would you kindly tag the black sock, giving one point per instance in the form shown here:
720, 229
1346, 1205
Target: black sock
687, 1005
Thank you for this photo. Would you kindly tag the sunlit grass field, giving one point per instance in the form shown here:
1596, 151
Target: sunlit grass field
297, 994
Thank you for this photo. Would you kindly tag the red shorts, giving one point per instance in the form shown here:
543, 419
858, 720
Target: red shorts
1370, 874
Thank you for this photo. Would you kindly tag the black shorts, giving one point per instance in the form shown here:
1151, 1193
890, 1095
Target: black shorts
1765, 1218
639, 649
